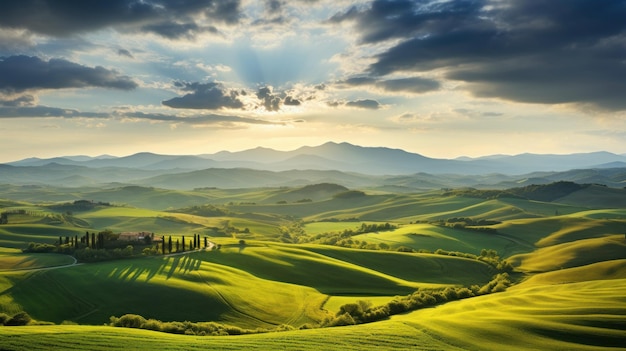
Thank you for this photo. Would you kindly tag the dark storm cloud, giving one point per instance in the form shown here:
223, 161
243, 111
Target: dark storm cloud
414, 85
172, 30
411, 85
540, 51
211, 96
21, 73
366, 104
67, 17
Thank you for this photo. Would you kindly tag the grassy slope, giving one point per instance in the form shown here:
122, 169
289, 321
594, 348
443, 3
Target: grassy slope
256, 286
530, 317
548, 311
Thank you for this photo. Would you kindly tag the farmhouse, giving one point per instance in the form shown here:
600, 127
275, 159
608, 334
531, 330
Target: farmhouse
134, 236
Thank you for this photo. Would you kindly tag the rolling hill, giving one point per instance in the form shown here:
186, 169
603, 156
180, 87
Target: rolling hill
301, 260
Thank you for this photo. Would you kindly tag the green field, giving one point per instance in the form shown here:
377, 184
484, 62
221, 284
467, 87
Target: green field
569, 257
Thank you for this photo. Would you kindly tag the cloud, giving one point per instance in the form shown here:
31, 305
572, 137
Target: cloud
290, 101
365, 104
269, 100
538, 51
39, 111
210, 96
15, 40
46, 111
65, 18
414, 85
173, 30
19, 101
21, 73
196, 119
124, 52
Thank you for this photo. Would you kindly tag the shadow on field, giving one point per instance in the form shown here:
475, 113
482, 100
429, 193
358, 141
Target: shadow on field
132, 271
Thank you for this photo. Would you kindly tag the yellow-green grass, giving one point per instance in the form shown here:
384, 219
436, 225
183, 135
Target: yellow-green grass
610, 269
319, 210
120, 219
559, 229
575, 316
19, 235
385, 335
314, 228
428, 269
20, 261
174, 289
259, 285
432, 237
572, 254
339, 271
612, 213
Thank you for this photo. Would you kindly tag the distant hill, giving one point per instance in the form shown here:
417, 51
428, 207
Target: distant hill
229, 178
345, 157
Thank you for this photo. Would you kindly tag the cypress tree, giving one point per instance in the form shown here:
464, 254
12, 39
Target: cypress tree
206, 244
177, 248
163, 245
183, 243
169, 244
93, 240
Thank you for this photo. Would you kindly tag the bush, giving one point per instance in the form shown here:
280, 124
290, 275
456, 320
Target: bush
21, 318
4, 318
128, 321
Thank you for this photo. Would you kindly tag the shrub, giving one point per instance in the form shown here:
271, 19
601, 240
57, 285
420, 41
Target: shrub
128, 321
21, 318
4, 318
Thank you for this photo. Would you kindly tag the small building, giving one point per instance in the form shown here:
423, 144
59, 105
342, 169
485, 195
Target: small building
134, 236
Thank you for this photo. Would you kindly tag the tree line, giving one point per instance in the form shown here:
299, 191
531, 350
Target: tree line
105, 245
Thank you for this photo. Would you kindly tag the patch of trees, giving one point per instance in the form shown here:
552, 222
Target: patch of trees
20, 318
363, 311
488, 256
205, 211
96, 255
350, 194
480, 225
322, 187
344, 238
80, 205
537, 192
186, 327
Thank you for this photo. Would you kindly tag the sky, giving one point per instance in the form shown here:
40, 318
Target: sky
442, 78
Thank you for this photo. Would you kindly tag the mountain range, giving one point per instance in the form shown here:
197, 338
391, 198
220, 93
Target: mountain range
344, 157
341, 163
